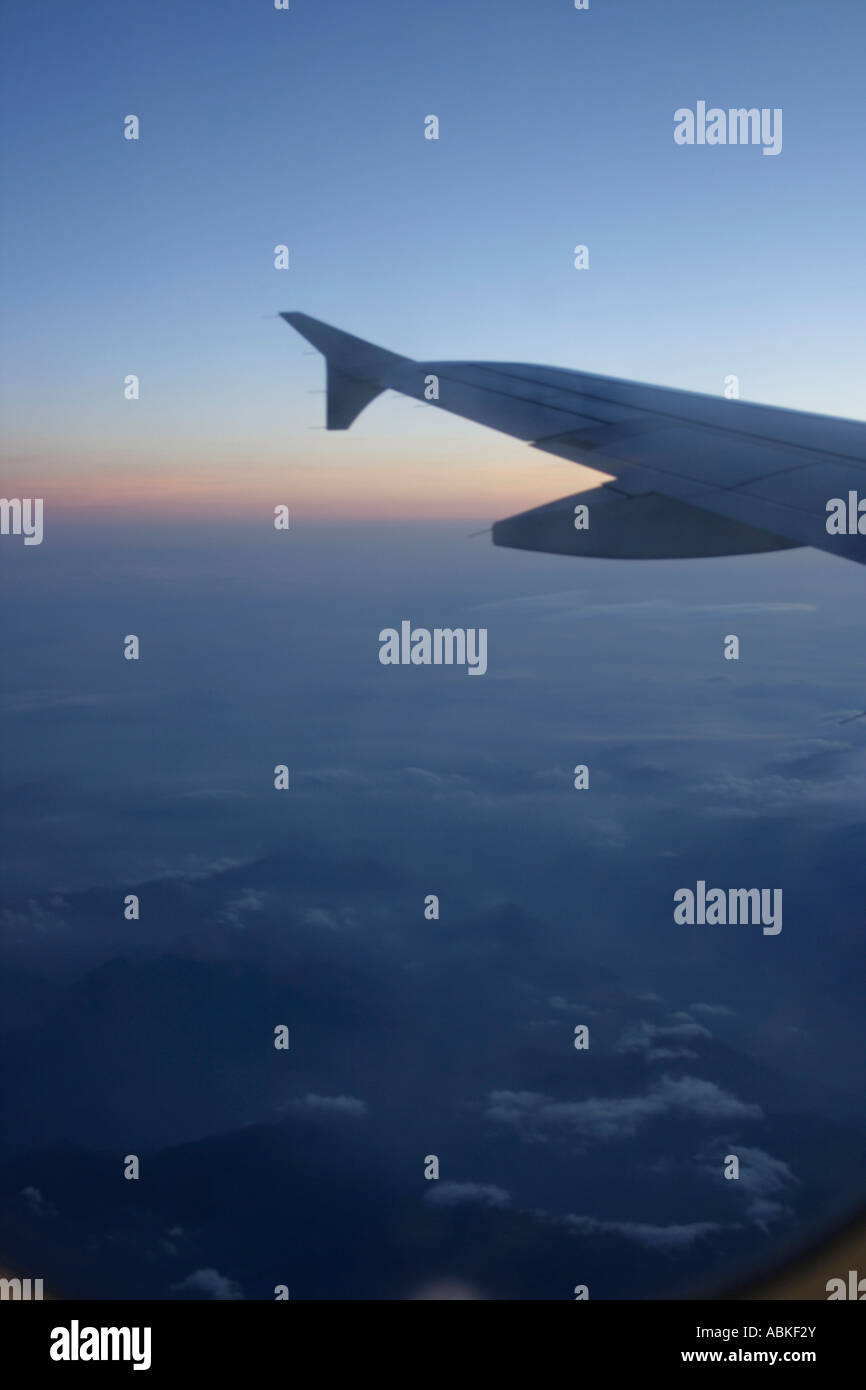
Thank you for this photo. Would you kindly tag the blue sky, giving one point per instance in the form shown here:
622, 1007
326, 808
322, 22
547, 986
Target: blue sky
306, 128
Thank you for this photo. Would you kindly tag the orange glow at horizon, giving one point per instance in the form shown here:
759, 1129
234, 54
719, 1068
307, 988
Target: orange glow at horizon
514, 479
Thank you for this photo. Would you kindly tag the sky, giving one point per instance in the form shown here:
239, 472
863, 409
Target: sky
306, 128
413, 1036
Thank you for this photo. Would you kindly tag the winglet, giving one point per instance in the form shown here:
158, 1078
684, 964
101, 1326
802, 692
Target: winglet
355, 367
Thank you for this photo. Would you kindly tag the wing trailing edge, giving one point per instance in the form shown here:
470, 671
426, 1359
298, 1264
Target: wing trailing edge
610, 524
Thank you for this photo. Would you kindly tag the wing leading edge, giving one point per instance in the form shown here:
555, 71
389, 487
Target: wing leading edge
694, 475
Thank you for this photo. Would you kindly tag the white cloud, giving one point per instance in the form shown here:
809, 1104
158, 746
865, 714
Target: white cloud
642, 1036
248, 900
762, 1179
756, 796
569, 604
209, 1283
37, 1203
535, 1116
667, 1238
330, 918
37, 919
332, 1105
458, 1194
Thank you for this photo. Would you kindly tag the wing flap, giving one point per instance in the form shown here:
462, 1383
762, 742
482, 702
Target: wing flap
615, 525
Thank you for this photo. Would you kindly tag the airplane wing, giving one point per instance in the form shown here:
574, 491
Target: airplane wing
694, 475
